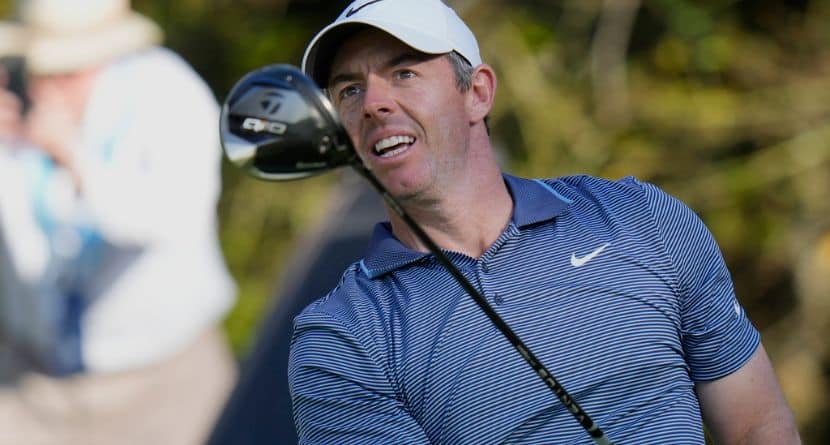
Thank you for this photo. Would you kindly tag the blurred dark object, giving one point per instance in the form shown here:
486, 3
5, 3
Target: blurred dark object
16, 69
259, 409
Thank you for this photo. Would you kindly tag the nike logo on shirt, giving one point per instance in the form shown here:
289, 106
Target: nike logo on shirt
581, 261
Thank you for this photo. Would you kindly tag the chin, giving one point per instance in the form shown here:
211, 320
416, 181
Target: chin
411, 188
420, 197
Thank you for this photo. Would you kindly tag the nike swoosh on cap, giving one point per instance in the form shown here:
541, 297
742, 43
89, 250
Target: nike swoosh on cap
353, 11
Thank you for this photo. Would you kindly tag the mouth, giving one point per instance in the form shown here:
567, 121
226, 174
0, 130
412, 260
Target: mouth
392, 145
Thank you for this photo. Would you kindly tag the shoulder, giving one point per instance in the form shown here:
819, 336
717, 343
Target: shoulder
349, 321
625, 192
593, 188
628, 206
348, 304
153, 62
628, 196
162, 73
154, 90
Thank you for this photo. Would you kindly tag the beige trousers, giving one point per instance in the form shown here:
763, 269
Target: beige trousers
175, 402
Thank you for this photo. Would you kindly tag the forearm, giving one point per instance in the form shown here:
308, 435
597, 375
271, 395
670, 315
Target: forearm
748, 407
776, 428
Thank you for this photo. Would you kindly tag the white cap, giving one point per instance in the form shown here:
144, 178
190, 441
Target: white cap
428, 26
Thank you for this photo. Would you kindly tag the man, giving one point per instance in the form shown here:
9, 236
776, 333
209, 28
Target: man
120, 339
617, 287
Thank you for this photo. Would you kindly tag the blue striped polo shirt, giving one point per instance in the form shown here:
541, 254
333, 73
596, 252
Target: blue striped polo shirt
618, 288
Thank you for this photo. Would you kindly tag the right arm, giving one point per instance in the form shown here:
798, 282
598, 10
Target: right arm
340, 393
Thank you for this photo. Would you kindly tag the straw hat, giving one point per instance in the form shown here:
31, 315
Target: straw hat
12, 39
69, 35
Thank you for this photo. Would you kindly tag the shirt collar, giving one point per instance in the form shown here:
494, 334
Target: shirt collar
534, 201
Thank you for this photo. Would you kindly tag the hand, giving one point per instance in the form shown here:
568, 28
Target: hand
54, 129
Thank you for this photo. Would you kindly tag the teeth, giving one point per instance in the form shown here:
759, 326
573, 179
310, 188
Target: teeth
392, 141
390, 153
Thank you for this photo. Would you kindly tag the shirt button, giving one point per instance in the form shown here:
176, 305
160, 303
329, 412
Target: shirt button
498, 299
485, 268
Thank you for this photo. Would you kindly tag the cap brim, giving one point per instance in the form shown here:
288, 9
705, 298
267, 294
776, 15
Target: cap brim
317, 60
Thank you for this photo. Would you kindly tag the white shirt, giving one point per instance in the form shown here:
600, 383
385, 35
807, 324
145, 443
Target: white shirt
140, 243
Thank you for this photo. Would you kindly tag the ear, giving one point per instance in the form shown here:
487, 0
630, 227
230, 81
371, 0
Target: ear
482, 93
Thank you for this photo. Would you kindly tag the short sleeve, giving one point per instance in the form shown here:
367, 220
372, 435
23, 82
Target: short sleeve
718, 338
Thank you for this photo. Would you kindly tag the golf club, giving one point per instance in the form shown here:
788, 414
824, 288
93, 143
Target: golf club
278, 125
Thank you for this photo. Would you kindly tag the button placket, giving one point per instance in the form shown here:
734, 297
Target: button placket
494, 298
498, 299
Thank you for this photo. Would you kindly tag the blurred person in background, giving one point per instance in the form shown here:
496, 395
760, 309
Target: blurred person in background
115, 337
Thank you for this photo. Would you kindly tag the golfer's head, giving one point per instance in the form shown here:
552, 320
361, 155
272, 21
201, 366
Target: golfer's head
428, 26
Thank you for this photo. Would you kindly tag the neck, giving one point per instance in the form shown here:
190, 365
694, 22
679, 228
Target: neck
468, 218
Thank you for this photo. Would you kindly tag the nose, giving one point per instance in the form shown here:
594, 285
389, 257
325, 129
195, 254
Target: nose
378, 102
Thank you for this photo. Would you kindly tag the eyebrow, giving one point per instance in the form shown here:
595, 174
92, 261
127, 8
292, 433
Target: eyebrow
409, 57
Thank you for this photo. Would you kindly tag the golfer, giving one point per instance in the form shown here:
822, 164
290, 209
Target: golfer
618, 288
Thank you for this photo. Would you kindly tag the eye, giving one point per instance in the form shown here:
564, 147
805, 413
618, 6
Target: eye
405, 74
348, 91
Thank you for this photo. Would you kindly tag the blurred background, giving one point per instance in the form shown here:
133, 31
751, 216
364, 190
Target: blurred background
725, 104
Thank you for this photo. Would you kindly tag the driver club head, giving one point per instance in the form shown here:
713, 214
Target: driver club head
278, 125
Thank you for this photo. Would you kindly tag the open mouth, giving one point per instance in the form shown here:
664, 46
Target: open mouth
393, 145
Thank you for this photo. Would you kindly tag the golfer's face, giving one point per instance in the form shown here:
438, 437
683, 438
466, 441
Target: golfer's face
403, 111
